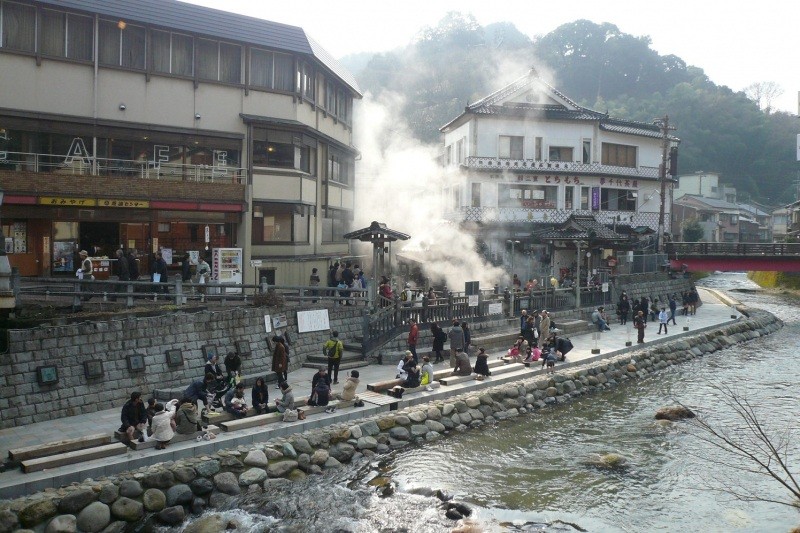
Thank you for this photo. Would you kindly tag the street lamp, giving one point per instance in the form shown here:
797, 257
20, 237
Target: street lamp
7, 300
578, 274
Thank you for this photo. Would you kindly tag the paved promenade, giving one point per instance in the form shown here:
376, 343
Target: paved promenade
714, 312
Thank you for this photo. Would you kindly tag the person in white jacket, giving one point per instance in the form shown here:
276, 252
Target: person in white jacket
163, 426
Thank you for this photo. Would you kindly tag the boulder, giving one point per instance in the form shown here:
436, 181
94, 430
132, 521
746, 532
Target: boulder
184, 474
332, 463
37, 512
367, 443
319, 457
109, 493
94, 517
256, 458
610, 461
673, 413
157, 479
301, 445
201, 486
385, 423
127, 509
213, 523
251, 476
179, 495
65, 523
72, 503
154, 500
8, 521
342, 451
399, 433
207, 468
289, 451
172, 516
281, 468
370, 428
227, 483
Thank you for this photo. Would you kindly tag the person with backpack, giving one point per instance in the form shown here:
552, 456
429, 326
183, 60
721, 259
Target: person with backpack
439, 338
333, 349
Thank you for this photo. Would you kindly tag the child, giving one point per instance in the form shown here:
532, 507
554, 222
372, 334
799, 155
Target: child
536, 354
551, 361
663, 319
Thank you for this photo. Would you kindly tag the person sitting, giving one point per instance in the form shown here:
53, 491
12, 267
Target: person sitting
402, 372
260, 396
516, 351
426, 374
413, 376
163, 426
462, 368
287, 398
598, 319
320, 388
151, 411
201, 390
234, 402
134, 417
233, 363
349, 389
482, 363
212, 367
186, 420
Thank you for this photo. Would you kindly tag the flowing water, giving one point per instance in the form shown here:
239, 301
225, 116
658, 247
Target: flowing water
535, 473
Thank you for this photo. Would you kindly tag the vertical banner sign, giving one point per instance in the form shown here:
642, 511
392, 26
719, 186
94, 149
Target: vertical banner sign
595, 198
216, 263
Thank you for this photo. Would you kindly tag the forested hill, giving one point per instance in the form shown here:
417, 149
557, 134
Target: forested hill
604, 69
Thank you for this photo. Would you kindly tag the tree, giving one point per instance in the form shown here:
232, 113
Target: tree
691, 230
763, 94
749, 447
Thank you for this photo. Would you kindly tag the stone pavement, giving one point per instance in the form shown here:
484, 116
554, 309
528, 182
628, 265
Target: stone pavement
715, 311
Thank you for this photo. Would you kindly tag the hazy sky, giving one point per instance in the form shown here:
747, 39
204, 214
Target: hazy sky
736, 43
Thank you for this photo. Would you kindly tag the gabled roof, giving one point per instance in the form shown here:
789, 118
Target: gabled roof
377, 232
753, 210
550, 104
710, 202
581, 227
181, 16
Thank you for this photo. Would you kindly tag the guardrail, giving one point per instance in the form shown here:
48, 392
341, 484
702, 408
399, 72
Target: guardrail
749, 249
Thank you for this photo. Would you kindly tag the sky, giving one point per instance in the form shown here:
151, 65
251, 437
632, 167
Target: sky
736, 43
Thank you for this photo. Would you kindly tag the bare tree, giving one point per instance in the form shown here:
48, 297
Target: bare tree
751, 447
763, 94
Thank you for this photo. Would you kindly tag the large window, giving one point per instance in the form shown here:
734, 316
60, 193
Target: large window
335, 223
284, 149
476, 195
619, 155
271, 70
121, 46
19, 27
529, 196
341, 166
510, 147
218, 61
617, 200
305, 81
560, 153
172, 53
280, 223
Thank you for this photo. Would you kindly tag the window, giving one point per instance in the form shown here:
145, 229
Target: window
261, 68
19, 27
569, 193
172, 53
448, 154
230, 63
53, 39
619, 155
330, 97
284, 66
280, 223
218, 61
283, 149
459, 151
341, 166
560, 153
538, 148
587, 151
585, 195
335, 223
80, 37
476, 195
528, 196
207, 59
617, 200
66, 35
305, 81
510, 147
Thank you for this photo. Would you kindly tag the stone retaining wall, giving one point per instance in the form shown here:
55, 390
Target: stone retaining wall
23, 400
167, 493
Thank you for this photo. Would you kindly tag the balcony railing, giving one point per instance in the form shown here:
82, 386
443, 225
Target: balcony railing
558, 167
551, 216
123, 168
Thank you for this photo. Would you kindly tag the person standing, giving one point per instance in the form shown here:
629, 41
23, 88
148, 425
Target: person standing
523, 320
333, 349
644, 307
467, 337
186, 268
413, 337
280, 362
313, 281
160, 274
663, 320
456, 336
439, 338
123, 273
544, 328
133, 265
233, 364
623, 309
640, 323
673, 308
85, 273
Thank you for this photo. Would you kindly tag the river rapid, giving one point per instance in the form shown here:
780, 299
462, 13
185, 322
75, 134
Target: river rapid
534, 473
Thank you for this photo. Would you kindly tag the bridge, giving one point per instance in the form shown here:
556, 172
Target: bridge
734, 256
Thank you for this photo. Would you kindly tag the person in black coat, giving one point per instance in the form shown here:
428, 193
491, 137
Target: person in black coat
134, 415
439, 338
160, 268
233, 364
260, 396
186, 269
644, 307
133, 266
623, 309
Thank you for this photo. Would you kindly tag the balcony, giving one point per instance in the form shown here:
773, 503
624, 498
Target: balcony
550, 216
558, 167
119, 168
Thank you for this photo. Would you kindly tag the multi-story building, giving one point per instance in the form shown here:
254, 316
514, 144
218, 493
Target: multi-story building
158, 124
529, 158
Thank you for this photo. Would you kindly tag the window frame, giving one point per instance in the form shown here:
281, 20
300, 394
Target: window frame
293, 210
619, 155
513, 152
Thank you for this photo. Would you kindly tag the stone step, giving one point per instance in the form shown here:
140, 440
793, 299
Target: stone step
224, 416
136, 445
71, 458
498, 370
61, 446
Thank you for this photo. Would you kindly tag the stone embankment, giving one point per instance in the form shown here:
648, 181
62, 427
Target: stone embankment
169, 492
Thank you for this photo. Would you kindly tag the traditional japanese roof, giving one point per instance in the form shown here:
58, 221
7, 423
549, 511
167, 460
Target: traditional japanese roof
377, 232
181, 16
545, 101
710, 202
581, 227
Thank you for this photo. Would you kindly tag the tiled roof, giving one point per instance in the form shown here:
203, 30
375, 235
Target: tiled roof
580, 227
191, 18
377, 231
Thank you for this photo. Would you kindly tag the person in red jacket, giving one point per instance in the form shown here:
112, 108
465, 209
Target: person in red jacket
413, 337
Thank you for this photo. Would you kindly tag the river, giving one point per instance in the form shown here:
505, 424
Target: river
531, 474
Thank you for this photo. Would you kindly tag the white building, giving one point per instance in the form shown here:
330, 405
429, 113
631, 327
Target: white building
530, 157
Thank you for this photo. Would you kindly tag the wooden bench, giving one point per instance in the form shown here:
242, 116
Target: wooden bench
501, 369
383, 386
73, 457
136, 445
271, 418
61, 446
218, 417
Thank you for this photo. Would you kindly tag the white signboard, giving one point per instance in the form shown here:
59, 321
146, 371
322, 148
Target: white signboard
267, 324
194, 257
255, 262
496, 309
166, 253
605, 287
316, 320
472, 300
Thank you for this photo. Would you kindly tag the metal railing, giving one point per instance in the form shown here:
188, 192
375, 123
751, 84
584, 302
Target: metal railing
676, 250
123, 168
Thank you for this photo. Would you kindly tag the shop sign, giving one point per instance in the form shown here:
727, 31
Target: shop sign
67, 202
136, 204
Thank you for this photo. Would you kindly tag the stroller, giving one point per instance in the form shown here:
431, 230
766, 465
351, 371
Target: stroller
217, 391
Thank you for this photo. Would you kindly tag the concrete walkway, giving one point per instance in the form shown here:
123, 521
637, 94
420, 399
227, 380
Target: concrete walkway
714, 312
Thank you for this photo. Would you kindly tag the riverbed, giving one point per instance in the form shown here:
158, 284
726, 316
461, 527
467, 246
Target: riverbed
535, 473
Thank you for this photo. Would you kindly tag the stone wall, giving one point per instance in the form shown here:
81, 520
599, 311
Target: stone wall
23, 400
169, 492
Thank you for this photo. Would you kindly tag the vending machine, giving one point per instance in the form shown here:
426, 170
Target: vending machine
226, 268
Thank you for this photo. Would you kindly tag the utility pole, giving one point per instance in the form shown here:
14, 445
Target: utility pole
663, 123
